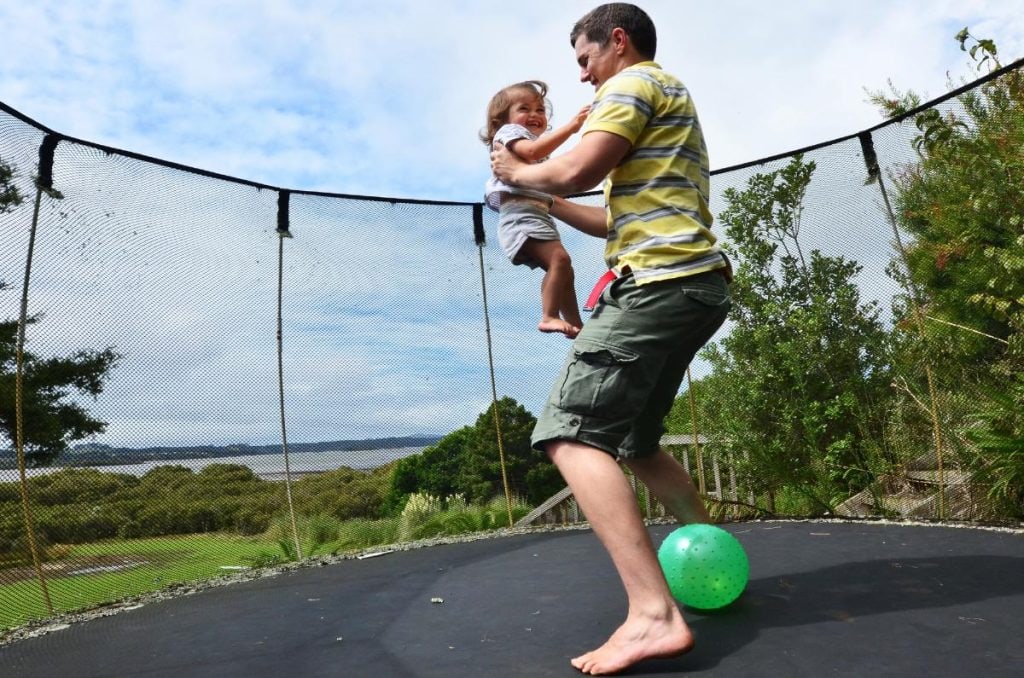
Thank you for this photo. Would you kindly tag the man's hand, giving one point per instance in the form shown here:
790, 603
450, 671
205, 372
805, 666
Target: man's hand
504, 163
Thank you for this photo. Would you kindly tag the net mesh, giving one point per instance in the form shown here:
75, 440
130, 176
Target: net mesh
376, 400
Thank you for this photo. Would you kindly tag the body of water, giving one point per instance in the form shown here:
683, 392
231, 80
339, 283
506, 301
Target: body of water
266, 466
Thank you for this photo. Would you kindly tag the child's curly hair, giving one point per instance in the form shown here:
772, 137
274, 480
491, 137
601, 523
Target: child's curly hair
498, 108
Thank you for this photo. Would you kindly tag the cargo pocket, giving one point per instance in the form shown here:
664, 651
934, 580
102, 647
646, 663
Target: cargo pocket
712, 296
597, 380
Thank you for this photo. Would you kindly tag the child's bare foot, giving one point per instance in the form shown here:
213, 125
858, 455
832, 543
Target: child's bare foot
552, 325
636, 640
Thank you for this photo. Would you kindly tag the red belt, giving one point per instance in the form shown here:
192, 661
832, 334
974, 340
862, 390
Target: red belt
595, 294
610, 275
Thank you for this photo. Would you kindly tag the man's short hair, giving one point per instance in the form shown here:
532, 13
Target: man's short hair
599, 23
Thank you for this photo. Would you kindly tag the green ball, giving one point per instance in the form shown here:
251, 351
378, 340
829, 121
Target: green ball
704, 565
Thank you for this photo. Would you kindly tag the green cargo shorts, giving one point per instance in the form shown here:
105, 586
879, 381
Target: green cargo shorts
625, 368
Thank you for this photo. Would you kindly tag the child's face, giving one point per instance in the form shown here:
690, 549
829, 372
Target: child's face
529, 111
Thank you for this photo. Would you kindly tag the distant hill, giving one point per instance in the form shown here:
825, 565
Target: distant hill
95, 454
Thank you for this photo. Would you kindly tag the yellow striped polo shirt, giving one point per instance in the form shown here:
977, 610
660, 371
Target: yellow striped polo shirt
657, 197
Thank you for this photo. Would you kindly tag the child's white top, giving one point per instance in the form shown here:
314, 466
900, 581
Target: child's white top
505, 135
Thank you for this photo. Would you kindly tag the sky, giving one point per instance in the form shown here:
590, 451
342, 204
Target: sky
378, 99
386, 97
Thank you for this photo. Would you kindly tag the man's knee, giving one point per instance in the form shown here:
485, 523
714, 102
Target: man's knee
562, 450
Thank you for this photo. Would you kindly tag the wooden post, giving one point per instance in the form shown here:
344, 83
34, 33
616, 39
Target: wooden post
733, 492
718, 476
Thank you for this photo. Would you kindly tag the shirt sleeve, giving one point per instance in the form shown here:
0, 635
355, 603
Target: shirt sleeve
509, 133
623, 106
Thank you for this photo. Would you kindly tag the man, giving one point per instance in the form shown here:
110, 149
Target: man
626, 366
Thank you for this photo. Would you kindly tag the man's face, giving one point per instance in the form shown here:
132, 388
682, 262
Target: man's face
597, 63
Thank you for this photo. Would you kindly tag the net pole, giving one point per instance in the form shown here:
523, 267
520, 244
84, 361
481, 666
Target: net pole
875, 173
698, 452
280, 389
479, 231
19, 410
929, 377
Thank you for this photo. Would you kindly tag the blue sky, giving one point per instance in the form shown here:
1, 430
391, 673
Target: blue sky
382, 99
385, 98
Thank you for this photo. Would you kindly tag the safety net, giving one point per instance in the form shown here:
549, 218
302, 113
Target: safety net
202, 375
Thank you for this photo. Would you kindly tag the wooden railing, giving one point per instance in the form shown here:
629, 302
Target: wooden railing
716, 480
917, 491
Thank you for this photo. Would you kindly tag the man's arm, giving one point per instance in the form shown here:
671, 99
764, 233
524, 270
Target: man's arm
575, 171
544, 145
589, 219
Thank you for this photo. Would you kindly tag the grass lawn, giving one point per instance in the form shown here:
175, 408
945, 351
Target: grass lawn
161, 561
90, 575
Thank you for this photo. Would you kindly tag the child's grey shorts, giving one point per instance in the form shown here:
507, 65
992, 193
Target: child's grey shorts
520, 220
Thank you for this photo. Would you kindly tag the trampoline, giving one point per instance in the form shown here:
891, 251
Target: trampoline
824, 599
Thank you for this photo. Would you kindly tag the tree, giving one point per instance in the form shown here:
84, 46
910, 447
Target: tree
433, 471
802, 376
343, 493
467, 462
962, 205
10, 197
530, 475
51, 421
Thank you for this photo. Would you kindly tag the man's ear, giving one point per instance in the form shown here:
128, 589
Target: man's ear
619, 38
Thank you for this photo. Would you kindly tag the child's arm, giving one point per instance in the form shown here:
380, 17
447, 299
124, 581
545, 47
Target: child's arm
542, 146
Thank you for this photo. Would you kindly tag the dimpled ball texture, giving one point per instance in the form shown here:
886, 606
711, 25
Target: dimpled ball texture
705, 566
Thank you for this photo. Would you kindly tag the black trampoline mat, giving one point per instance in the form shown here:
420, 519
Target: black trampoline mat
824, 599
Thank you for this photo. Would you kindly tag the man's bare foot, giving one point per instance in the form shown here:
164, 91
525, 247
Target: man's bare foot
636, 640
552, 325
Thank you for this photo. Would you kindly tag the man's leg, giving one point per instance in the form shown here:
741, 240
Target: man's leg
614, 387
703, 313
672, 485
654, 625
